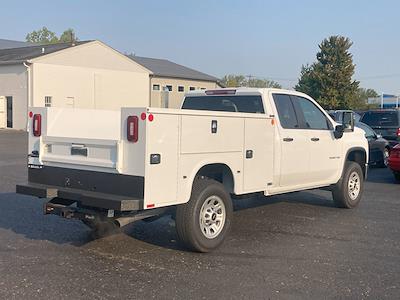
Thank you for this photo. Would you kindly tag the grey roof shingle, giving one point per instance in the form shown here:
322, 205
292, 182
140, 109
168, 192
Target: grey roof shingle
6, 44
166, 68
22, 54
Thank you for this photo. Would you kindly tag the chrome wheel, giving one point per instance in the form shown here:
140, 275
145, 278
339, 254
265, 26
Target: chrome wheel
212, 217
386, 157
354, 185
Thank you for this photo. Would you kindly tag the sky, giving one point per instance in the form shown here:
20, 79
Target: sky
266, 39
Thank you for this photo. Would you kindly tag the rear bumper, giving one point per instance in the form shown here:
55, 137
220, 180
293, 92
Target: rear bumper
83, 198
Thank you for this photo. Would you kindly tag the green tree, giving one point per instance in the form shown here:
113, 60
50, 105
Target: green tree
329, 79
233, 80
361, 100
263, 83
68, 36
42, 36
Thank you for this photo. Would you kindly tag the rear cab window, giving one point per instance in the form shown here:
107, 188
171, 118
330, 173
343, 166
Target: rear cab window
230, 103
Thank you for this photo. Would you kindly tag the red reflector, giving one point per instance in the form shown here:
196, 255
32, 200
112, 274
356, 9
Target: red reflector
150, 205
151, 118
143, 116
132, 129
30, 114
221, 92
37, 125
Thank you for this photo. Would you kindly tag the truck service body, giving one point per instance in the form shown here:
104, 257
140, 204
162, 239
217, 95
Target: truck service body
121, 166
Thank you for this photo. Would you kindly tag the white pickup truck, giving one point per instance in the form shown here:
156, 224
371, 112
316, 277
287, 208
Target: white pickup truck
116, 167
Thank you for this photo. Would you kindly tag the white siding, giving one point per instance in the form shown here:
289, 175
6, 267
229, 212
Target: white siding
91, 75
13, 82
83, 87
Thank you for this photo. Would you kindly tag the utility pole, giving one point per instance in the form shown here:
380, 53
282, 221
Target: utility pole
249, 77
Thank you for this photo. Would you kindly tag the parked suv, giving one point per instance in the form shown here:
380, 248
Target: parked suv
384, 122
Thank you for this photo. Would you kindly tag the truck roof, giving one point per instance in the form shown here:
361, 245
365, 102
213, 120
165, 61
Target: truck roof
237, 91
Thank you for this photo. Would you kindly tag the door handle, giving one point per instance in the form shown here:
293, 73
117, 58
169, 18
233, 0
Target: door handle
315, 139
288, 139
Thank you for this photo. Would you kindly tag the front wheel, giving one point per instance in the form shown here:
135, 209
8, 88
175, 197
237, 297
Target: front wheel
348, 191
203, 223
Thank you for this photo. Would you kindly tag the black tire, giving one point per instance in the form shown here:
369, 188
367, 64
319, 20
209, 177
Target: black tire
341, 192
396, 176
187, 221
385, 156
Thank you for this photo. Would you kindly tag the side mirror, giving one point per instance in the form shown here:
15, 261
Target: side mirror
378, 136
348, 120
338, 132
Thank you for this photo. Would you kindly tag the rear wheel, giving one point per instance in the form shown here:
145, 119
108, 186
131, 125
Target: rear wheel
348, 191
203, 223
385, 158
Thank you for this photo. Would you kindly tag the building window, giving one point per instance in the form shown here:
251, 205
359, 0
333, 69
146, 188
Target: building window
192, 88
168, 87
181, 88
202, 88
156, 87
47, 101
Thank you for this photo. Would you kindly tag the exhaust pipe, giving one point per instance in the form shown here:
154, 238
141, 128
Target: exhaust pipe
123, 221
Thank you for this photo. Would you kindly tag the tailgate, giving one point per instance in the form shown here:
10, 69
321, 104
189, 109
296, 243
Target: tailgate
75, 138
59, 151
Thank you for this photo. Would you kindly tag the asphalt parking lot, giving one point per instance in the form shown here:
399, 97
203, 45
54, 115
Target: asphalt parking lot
295, 246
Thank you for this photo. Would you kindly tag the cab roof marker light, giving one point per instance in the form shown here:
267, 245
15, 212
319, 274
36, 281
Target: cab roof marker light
220, 92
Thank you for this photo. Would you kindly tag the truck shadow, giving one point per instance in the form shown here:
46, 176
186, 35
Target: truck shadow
162, 232
24, 215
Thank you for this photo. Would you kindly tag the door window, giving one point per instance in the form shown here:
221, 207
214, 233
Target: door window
314, 118
286, 112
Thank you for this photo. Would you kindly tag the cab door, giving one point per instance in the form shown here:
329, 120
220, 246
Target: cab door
294, 144
324, 148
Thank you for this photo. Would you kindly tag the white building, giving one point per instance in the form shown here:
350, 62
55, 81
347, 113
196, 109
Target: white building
84, 75
87, 74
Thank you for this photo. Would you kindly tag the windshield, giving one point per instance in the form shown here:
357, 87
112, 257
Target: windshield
246, 104
384, 118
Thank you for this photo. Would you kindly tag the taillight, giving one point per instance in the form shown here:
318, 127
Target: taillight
398, 132
37, 125
132, 129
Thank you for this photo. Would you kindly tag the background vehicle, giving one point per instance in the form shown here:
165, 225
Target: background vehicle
385, 122
379, 148
394, 161
337, 115
109, 167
